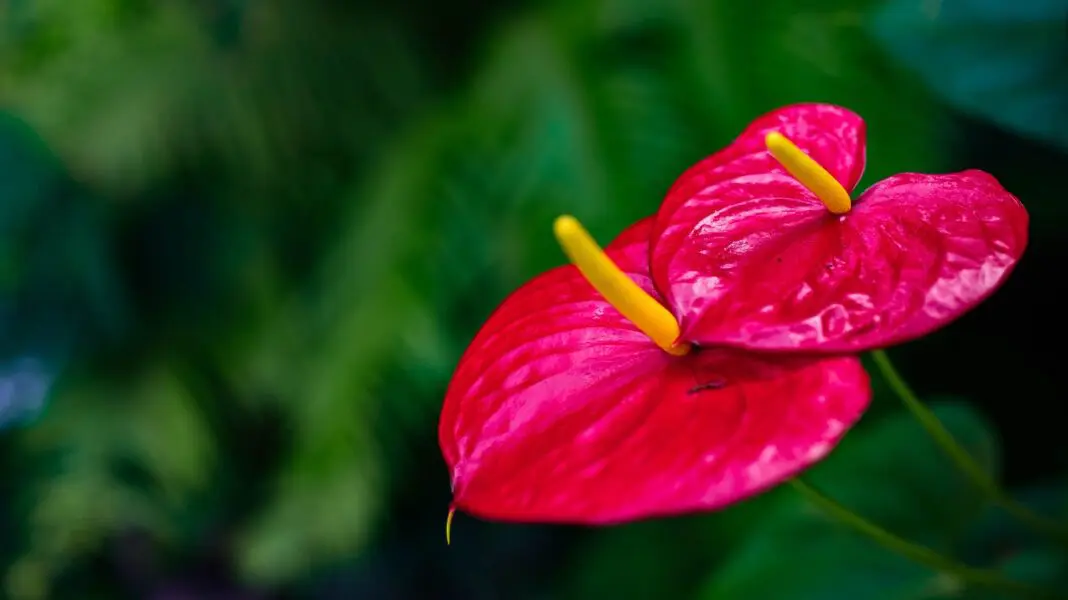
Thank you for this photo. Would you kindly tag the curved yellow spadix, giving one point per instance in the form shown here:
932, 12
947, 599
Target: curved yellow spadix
809, 173
617, 288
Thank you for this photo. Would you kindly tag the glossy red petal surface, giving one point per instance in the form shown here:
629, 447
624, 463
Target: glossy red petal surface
832, 135
916, 252
745, 171
562, 411
552, 319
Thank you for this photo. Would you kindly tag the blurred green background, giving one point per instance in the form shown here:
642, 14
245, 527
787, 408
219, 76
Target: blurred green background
243, 244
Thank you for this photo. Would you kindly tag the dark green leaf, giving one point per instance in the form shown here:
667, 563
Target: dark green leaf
616, 563
896, 475
1001, 61
890, 473
1002, 541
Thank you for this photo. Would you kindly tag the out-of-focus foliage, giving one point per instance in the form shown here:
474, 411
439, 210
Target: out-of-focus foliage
257, 236
130, 91
894, 476
1023, 555
1000, 61
55, 277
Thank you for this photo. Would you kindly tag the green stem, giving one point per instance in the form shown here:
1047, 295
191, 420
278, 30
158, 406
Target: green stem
964, 461
916, 553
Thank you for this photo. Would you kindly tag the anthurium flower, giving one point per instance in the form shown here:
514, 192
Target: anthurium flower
760, 246
578, 402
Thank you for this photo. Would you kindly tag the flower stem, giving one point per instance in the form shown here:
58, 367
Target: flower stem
922, 555
964, 461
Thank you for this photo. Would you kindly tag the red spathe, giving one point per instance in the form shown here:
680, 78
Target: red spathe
747, 257
562, 411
